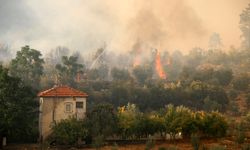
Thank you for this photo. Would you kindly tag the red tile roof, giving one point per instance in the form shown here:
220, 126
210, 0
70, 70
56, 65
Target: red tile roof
62, 91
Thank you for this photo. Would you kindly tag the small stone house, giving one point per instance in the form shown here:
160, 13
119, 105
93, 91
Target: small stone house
57, 103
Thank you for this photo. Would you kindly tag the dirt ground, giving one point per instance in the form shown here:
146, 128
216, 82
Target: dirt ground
181, 145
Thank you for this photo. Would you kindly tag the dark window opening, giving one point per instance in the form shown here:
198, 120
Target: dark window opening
79, 104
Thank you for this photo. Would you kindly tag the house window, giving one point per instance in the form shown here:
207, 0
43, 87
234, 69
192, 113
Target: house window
79, 104
68, 107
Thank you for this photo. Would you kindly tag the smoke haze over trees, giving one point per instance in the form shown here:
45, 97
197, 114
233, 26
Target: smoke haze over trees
85, 26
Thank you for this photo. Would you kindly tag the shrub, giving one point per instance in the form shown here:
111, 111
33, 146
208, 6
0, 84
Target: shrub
68, 131
214, 125
178, 119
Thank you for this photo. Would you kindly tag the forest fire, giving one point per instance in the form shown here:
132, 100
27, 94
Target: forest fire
158, 66
137, 61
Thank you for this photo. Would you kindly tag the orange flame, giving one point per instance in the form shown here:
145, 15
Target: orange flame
137, 61
158, 66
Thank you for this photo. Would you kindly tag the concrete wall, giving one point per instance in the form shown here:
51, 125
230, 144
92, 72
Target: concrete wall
53, 109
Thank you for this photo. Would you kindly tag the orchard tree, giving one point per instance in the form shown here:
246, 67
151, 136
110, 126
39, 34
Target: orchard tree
28, 65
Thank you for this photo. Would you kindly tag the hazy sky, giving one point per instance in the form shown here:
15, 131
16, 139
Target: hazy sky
85, 25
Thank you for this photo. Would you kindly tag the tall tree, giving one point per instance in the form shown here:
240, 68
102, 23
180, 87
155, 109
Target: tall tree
17, 108
245, 27
28, 65
68, 70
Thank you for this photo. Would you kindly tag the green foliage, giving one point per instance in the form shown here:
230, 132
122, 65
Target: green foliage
176, 119
102, 120
28, 66
126, 119
68, 131
68, 70
214, 125
18, 109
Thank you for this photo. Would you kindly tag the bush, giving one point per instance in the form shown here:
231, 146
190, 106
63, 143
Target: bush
68, 131
214, 125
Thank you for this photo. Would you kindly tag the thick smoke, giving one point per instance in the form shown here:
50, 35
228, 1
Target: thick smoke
85, 25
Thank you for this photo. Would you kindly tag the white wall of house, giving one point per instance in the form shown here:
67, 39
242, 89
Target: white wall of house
54, 109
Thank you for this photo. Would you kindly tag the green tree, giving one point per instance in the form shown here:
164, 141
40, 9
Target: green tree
245, 27
67, 71
17, 110
214, 125
28, 65
126, 119
102, 121
176, 119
